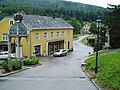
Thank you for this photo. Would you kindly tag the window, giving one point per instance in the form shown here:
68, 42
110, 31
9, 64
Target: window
52, 34
1, 53
68, 33
58, 34
63, 34
11, 22
37, 36
4, 37
45, 35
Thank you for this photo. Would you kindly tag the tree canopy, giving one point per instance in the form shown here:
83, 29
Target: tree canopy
76, 24
93, 28
113, 22
60, 8
53, 8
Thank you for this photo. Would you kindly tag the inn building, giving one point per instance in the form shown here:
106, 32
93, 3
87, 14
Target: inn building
38, 35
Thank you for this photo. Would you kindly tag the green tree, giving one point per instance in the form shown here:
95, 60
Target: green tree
76, 24
113, 22
64, 9
93, 28
102, 33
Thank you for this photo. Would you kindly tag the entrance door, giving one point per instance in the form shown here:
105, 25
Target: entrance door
68, 44
55, 45
37, 50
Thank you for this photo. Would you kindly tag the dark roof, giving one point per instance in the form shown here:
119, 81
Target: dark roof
35, 22
20, 27
43, 22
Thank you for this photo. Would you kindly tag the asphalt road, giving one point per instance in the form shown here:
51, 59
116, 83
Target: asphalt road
55, 73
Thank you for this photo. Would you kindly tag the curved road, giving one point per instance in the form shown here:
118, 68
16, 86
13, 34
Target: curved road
55, 73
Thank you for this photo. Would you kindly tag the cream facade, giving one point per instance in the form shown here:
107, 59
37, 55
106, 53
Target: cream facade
85, 28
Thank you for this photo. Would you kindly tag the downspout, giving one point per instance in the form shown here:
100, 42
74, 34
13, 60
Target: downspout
46, 48
29, 47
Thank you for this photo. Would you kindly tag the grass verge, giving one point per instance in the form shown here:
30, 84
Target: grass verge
102, 52
85, 40
108, 75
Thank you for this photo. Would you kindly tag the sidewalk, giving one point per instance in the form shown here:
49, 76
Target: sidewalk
92, 80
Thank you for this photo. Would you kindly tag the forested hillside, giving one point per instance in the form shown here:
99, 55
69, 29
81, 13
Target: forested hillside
56, 8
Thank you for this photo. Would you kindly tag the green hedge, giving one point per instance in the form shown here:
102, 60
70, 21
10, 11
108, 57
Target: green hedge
33, 61
12, 65
91, 41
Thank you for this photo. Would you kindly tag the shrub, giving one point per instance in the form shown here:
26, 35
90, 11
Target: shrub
33, 61
100, 46
17, 65
91, 41
7, 66
12, 65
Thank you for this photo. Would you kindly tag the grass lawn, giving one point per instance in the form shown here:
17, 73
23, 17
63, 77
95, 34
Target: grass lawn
108, 75
78, 35
85, 40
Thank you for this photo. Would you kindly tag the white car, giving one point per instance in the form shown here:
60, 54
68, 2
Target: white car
4, 55
61, 52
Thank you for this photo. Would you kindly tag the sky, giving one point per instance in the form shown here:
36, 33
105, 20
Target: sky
102, 3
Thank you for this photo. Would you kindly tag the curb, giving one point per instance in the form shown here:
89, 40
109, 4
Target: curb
23, 69
91, 79
3, 75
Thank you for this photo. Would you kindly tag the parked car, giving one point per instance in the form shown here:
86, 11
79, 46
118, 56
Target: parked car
4, 54
61, 52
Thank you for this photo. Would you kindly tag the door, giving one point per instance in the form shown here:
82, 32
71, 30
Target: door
37, 49
68, 44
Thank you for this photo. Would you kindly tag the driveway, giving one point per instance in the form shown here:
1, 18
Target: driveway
55, 73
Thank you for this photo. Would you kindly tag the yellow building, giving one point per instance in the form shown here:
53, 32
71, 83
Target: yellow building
39, 35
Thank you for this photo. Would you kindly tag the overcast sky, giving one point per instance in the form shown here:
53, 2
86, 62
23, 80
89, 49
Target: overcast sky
102, 3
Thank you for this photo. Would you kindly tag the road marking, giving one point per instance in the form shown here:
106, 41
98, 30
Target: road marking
42, 78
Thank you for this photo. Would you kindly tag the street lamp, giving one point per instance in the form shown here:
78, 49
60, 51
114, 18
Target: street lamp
98, 24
